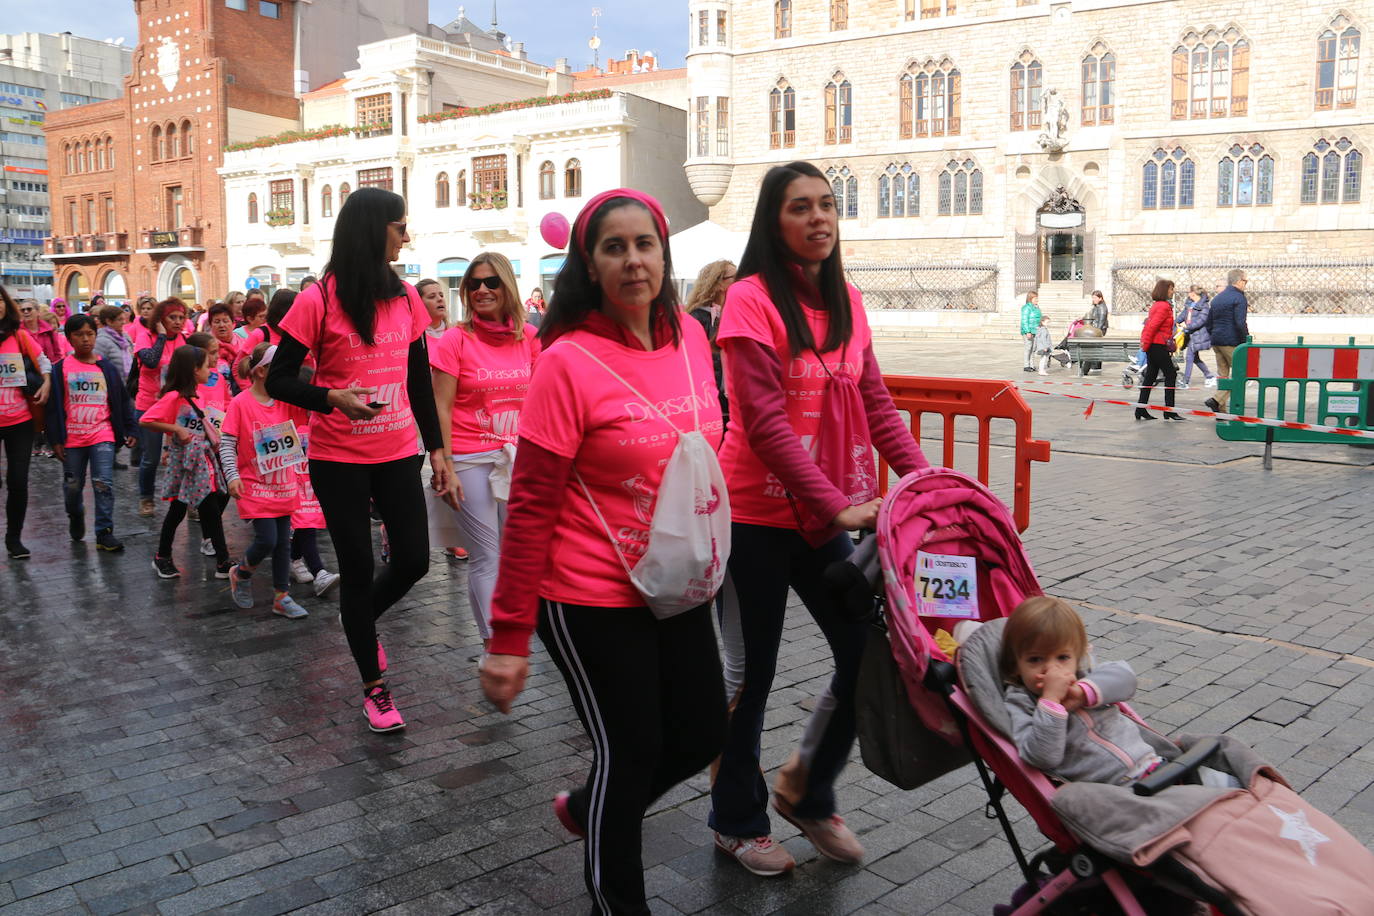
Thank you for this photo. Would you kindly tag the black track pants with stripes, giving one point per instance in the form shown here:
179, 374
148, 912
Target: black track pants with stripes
650, 696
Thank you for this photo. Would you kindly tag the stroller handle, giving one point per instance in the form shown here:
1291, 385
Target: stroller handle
856, 580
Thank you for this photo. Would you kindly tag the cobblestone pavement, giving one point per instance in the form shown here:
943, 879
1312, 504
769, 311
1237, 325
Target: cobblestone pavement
167, 753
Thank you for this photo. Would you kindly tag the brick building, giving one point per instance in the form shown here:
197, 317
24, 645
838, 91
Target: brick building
985, 147
136, 199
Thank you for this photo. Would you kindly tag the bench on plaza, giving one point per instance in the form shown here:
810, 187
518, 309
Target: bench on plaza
1279, 381
1087, 351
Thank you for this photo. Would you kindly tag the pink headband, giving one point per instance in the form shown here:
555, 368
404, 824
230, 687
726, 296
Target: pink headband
585, 217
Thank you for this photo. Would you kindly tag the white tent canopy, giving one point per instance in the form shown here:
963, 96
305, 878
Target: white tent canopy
695, 247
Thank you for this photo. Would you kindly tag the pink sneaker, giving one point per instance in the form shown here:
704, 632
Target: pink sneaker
565, 816
829, 835
381, 657
382, 715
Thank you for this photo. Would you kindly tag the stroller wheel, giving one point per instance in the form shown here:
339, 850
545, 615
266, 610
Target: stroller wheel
1082, 865
1127, 379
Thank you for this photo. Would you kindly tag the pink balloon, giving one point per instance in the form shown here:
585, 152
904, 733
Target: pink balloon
554, 229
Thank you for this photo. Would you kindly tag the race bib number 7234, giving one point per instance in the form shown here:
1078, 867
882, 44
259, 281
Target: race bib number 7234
946, 585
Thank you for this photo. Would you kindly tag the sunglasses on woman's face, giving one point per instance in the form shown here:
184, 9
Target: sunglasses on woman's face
475, 284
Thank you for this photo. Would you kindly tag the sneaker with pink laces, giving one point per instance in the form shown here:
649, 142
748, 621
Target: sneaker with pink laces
563, 812
829, 835
382, 715
759, 855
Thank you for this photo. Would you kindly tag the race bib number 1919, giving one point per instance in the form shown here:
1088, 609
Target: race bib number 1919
946, 586
277, 447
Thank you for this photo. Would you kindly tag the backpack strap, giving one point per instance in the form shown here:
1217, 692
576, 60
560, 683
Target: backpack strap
691, 386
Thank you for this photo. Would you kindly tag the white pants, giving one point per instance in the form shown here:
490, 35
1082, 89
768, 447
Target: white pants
481, 517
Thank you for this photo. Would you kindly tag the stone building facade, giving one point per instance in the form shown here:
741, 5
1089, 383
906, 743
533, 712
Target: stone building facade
980, 148
482, 144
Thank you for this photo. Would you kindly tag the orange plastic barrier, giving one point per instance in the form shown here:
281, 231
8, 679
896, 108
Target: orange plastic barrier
987, 401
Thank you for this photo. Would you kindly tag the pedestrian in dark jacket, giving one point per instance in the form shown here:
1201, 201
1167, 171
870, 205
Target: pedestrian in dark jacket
1228, 330
1097, 314
88, 413
1193, 319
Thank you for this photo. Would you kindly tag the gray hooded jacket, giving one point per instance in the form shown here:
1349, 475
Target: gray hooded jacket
1089, 745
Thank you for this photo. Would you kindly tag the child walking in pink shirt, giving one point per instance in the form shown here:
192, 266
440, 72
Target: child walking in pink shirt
261, 450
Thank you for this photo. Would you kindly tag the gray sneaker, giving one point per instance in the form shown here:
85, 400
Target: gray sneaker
240, 588
324, 581
761, 855
286, 606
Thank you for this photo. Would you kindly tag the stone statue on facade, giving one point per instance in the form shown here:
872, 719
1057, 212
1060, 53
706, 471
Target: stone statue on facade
1055, 120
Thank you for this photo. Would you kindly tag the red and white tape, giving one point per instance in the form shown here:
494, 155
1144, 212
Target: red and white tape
1209, 414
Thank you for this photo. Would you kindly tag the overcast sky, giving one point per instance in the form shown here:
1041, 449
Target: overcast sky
549, 28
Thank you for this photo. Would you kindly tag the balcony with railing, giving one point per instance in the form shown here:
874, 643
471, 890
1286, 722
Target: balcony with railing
89, 246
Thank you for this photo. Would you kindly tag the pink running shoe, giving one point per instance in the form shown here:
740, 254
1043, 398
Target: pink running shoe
382, 715
381, 657
565, 817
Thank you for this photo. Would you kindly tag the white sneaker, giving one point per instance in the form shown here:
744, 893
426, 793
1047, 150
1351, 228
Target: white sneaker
207, 547
1211, 382
1182, 386
324, 581
300, 572
1041, 372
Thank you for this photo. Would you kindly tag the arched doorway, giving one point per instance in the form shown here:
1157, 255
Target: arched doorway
177, 277
114, 287
1060, 224
78, 292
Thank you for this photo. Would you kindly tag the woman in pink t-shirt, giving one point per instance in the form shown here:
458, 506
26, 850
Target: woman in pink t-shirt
153, 348
482, 370
371, 389
620, 376
808, 405
17, 426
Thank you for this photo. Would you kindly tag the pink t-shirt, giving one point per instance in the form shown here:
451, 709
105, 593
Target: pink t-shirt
308, 513
344, 360
492, 382
173, 408
757, 497
150, 380
87, 405
619, 446
14, 407
269, 452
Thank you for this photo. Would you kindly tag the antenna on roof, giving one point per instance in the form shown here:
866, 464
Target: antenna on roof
595, 41
494, 23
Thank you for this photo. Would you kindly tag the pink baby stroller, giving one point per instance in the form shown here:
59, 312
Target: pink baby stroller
1161, 845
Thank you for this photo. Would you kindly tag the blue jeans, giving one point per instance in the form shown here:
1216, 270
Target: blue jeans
271, 537
151, 441
99, 458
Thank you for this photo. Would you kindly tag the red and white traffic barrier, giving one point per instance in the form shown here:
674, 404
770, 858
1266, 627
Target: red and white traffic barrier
1209, 414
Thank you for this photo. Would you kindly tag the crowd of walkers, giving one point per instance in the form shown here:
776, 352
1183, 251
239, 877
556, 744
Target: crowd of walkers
549, 451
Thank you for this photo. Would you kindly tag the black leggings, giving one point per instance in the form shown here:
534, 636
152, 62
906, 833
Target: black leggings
1158, 362
18, 442
305, 545
650, 697
345, 492
211, 525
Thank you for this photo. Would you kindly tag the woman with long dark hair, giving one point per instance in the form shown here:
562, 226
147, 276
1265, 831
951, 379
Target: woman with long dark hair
808, 404
1157, 340
17, 427
620, 376
365, 328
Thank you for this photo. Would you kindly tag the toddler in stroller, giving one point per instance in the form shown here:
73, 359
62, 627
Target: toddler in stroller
1156, 832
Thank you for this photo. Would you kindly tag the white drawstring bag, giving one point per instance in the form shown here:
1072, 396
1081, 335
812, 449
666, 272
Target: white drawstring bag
689, 535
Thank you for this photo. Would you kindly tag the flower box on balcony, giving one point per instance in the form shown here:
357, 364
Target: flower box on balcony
280, 217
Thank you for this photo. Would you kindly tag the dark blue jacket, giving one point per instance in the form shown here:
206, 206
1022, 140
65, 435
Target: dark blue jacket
1226, 322
121, 405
